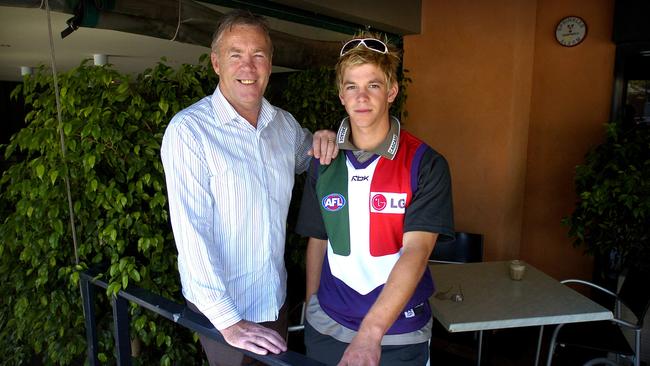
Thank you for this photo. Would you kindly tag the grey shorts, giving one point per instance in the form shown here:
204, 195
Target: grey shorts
329, 350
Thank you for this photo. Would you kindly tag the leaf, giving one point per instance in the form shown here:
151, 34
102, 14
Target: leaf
163, 105
21, 306
135, 275
123, 88
40, 170
160, 339
67, 128
54, 174
165, 360
74, 277
113, 288
90, 161
114, 269
106, 79
140, 322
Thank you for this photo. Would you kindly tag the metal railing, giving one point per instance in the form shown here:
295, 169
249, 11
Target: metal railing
169, 309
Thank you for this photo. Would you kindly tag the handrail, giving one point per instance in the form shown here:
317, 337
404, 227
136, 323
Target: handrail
169, 309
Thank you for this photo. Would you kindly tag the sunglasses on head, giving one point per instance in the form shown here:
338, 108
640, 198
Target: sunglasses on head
370, 43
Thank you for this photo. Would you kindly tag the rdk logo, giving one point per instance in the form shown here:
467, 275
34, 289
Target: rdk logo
333, 202
360, 178
340, 137
387, 202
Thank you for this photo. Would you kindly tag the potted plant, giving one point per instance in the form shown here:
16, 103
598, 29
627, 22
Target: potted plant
113, 126
611, 218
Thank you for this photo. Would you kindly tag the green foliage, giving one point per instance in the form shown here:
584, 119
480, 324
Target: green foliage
312, 97
113, 129
613, 187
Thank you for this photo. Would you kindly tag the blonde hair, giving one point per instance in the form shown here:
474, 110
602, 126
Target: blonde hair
387, 62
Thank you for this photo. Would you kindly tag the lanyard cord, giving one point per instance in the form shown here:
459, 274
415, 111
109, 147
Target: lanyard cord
58, 110
178, 26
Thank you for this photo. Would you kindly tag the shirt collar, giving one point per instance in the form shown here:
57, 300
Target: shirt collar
222, 107
388, 147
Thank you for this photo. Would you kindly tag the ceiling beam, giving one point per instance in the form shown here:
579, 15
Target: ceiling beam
160, 19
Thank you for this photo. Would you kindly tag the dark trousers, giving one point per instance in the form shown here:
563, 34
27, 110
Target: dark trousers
219, 354
329, 350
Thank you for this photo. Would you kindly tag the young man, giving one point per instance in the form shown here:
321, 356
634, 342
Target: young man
373, 217
229, 162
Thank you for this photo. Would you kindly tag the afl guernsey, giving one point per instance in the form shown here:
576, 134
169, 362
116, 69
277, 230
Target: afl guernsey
365, 208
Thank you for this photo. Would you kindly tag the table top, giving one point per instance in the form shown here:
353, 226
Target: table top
491, 300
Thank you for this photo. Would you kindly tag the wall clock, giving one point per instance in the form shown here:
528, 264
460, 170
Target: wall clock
571, 31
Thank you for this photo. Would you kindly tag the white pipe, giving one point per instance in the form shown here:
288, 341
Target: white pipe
100, 59
26, 70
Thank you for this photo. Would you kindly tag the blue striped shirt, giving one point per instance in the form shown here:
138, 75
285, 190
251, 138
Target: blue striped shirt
229, 186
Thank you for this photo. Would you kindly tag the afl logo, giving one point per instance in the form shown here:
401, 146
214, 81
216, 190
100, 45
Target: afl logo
379, 202
333, 202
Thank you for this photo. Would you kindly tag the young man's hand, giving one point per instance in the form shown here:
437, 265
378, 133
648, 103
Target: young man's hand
324, 146
362, 351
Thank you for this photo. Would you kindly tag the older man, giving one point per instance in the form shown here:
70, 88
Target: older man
230, 161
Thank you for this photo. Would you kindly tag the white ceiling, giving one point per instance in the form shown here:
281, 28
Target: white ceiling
25, 41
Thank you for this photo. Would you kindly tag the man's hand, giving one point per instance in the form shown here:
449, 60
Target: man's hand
363, 351
324, 146
254, 337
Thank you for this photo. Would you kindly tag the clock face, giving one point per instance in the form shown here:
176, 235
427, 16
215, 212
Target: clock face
571, 31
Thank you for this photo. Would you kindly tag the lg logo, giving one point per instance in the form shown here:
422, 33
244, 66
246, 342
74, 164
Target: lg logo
379, 202
387, 202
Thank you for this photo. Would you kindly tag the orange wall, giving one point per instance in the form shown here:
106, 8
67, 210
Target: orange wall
512, 113
572, 91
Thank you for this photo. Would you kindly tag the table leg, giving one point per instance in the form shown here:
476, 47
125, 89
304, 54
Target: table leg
480, 348
539, 345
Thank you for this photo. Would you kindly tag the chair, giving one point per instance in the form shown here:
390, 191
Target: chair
466, 248
608, 336
301, 321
